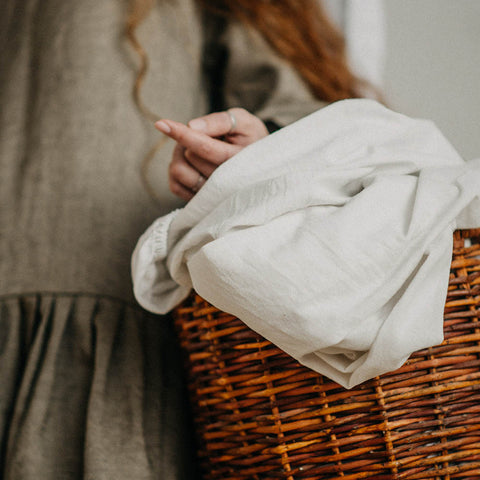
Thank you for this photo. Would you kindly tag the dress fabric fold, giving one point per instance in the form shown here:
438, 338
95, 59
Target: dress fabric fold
89, 390
332, 238
73, 205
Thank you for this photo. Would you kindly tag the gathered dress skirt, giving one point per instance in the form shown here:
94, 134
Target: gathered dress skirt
90, 388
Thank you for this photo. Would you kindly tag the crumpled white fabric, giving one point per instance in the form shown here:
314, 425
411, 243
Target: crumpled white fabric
332, 238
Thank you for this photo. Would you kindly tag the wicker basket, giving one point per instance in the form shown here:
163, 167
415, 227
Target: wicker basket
261, 415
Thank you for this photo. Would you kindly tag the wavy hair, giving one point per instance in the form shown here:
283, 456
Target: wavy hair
301, 33
298, 31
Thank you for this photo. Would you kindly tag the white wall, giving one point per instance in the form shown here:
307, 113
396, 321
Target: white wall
433, 66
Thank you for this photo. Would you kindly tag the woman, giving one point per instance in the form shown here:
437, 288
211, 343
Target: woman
91, 384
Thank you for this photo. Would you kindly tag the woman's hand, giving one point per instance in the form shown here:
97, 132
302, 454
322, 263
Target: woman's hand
205, 144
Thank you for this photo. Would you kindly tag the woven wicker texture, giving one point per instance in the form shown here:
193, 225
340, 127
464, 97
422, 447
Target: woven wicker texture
261, 415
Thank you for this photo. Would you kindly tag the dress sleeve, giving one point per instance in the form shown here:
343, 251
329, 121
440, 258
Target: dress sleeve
254, 77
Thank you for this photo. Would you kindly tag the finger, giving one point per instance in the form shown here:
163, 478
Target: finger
247, 127
205, 167
237, 125
215, 124
180, 191
182, 172
201, 144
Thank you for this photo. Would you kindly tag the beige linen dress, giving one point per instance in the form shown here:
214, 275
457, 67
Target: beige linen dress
90, 384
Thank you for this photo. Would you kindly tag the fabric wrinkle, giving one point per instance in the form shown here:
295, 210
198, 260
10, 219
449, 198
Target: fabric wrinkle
377, 242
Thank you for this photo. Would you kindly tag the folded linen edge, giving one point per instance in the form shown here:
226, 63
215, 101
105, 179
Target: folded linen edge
160, 229
150, 275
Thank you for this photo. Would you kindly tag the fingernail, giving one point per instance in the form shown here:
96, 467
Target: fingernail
198, 124
163, 127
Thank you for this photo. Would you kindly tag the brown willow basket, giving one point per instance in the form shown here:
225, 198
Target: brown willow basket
261, 415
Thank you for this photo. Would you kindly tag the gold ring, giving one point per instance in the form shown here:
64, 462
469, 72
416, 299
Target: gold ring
201, 180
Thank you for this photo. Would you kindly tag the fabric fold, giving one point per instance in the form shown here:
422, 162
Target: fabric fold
332, 238
90, 385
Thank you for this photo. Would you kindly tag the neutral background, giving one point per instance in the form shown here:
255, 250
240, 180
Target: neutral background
432, 67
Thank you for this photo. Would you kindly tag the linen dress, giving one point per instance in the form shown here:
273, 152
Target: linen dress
90, 384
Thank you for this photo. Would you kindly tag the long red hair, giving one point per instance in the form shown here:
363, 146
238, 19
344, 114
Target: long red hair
299, 31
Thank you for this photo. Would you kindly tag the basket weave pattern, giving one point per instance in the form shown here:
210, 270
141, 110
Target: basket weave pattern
261, 415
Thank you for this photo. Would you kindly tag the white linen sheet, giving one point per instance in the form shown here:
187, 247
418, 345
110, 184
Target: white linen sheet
332, 238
